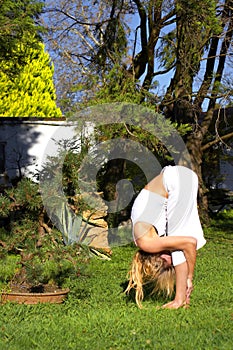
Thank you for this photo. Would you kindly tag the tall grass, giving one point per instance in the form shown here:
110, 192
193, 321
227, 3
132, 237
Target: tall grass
98, 316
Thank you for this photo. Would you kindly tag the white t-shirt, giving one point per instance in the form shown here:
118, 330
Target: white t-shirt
150, 207
177, 215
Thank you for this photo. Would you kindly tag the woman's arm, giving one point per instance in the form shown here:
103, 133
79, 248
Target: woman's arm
186, 244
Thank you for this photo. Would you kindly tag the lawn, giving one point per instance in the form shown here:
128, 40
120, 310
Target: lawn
97, 315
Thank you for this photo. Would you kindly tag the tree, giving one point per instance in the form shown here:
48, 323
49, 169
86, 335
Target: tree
26, 72
190, 40
16, 19
30, 93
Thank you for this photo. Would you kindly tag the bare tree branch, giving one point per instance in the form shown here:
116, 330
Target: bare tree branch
216, 141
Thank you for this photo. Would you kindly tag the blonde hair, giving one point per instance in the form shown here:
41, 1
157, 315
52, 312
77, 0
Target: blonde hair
150, 268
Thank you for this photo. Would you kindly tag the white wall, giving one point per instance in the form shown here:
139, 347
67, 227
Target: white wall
25, 143
27, 140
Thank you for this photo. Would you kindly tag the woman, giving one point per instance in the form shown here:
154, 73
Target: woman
167, 229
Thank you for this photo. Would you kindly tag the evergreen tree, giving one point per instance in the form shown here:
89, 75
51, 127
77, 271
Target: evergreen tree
19, 22
30, 92
16, 19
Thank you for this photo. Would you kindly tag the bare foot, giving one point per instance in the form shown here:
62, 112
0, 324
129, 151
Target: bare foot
175, 305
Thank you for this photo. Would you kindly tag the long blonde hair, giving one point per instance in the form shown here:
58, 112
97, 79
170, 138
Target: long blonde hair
150, 268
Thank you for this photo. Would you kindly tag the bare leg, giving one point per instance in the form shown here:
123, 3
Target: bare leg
181, 287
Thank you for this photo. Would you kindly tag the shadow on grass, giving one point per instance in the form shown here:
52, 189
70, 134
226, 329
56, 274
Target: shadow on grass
148, 294
221, 226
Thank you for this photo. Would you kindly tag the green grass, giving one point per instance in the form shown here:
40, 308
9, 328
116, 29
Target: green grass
7, 269
98, 316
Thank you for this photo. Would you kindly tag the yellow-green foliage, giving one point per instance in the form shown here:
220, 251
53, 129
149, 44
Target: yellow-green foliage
30, 92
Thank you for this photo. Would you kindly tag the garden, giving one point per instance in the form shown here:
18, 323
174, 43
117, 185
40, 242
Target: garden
96, 313
57, 59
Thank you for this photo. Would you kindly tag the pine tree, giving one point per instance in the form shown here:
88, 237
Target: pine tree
30, 92
18, 18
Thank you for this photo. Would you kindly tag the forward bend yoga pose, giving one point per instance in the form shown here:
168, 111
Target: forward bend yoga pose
167, 230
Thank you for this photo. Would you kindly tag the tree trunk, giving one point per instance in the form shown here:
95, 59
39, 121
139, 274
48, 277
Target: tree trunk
194, 146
